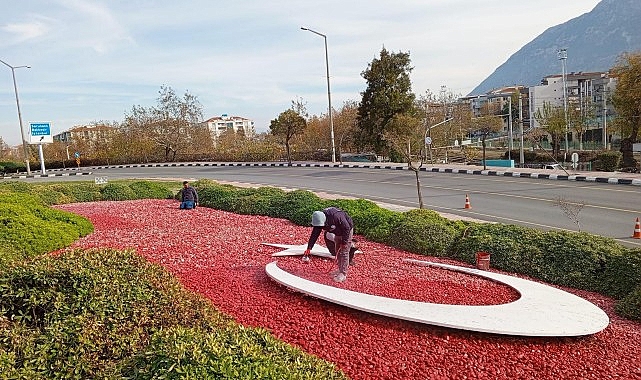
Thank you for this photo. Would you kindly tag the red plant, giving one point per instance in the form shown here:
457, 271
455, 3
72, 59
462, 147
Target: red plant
219, 255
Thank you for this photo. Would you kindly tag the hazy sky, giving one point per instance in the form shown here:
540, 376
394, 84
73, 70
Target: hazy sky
95, 59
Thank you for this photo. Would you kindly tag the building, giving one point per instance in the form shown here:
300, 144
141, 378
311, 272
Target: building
588, 95
219, 124
87, 133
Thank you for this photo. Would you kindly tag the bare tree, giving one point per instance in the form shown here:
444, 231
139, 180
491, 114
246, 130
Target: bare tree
570, 209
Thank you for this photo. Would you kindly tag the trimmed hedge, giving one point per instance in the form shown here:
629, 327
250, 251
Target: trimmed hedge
28, 227
112, 314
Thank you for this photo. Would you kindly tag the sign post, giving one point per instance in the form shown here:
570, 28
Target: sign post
40, 133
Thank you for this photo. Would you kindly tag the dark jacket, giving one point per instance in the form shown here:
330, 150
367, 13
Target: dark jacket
337, 222
188, 194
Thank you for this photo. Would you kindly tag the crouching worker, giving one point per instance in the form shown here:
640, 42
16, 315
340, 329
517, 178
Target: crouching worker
188, 197
339, 223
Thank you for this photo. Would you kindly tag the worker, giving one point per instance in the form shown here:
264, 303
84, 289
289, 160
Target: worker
339, 223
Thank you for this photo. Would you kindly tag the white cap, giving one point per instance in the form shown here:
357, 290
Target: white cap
318, 219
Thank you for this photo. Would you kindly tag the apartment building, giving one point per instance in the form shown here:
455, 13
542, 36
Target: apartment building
88, 133
219, 124
588, 94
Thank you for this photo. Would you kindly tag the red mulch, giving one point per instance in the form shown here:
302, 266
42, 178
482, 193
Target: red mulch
219, 255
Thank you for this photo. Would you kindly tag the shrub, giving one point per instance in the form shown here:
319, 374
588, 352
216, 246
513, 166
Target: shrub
298, 206
510, 246
189, 353
608, 161
217, 196
117, 192
150, 190
574, 259
79, 192
621, 273
28, 227
424, 232
111, 314
630, 306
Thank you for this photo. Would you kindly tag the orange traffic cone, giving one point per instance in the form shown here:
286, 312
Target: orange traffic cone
637, 230
467, 202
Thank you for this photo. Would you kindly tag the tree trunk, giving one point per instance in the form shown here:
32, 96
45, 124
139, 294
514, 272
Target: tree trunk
483, 144
418, 189
289, 157
628, 155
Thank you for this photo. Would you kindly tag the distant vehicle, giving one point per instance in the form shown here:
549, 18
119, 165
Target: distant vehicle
359, 157
552, 166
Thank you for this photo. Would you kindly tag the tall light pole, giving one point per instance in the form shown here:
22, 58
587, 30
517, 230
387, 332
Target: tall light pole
15, 88
563, 56
329, 94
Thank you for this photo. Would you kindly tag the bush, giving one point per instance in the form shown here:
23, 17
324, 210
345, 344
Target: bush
117, 192
78, 192
574, 259
193, 354
608, 161
621, 273
424, 232
29, 228
298, 206
83, 312
510, 246
630, 306
111, 314
150, 190
217, 196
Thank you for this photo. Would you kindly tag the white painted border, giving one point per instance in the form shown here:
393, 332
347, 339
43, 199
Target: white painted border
541, 311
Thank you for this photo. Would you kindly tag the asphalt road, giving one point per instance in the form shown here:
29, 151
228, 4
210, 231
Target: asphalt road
608, 209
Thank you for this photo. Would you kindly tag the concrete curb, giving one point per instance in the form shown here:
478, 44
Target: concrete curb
507, 173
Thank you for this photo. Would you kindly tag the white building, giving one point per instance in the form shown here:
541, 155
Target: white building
219, 124
592, 89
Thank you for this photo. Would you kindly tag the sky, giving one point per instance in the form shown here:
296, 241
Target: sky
93, 60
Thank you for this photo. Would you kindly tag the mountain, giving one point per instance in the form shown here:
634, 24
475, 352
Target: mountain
593, 41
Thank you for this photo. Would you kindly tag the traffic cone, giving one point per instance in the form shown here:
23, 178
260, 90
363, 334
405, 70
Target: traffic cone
637, 230
467, 202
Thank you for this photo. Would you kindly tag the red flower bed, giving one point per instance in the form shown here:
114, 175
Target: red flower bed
219, 255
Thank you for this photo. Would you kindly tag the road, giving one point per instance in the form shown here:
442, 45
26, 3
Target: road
609, 209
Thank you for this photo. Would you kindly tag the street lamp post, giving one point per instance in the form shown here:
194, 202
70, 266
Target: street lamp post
329, 94
15, 88
563, 56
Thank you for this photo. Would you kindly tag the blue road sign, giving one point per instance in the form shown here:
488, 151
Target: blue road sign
40, 129
77, 154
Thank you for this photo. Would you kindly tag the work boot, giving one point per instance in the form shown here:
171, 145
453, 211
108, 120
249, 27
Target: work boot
340, 277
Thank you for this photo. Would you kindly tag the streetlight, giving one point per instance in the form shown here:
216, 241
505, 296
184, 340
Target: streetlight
428, 140
329, 96
15, 88
563, 56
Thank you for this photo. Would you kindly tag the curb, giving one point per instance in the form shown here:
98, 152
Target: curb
516, 174
45, 175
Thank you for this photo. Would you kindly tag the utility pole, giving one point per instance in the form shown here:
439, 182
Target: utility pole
521, 154
563, 56
605, 121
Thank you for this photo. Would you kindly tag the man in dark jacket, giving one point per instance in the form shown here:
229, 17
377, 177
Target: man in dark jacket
339, 223
188, 197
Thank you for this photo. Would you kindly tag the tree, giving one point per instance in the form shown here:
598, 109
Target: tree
172, 125
485, 126
552, 120
627, 102
288, 124
405, 136
388, 94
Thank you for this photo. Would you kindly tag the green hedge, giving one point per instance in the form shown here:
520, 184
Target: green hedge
28, 227
111, 314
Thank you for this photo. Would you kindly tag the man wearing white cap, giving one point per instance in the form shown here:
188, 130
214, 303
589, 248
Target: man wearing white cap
339, 223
